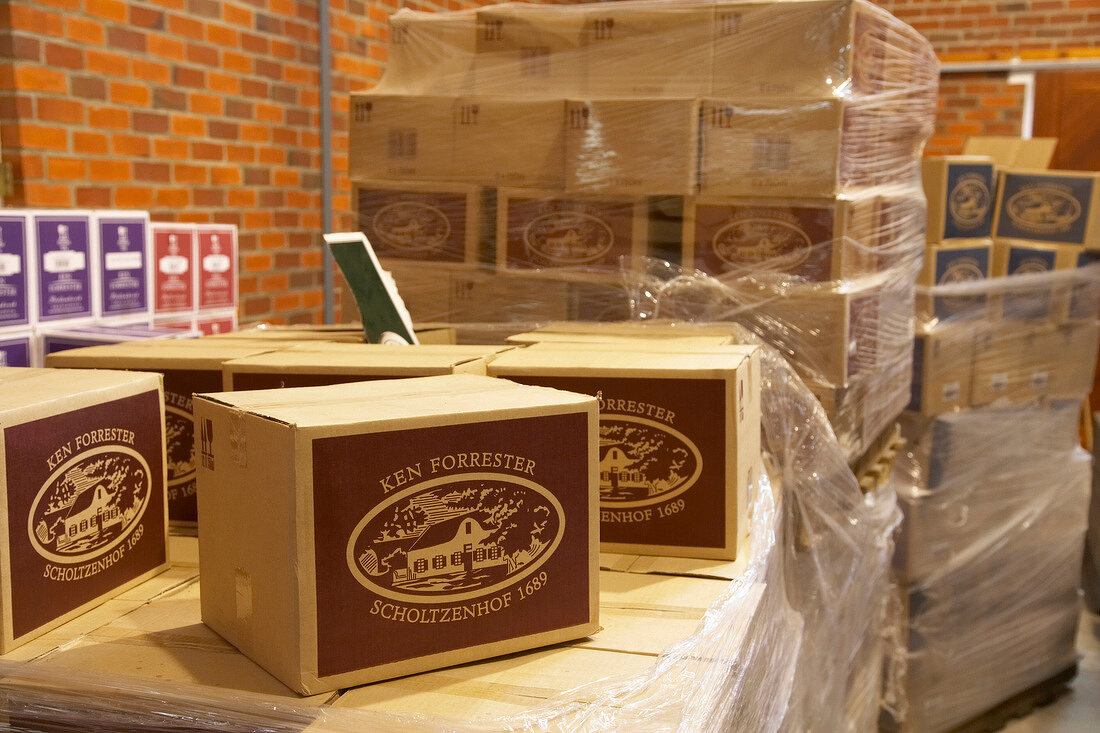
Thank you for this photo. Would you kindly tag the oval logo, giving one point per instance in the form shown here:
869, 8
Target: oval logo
455, 538
179, 432
760, 242
1043, 209
89, 504
1031, 266
962, 270
568, 237
969, 201
644, 462
412, 226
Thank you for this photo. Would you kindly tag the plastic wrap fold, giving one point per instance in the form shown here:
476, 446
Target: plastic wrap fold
797, 656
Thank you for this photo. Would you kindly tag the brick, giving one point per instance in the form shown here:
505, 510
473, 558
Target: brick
272, 240
268, 24
130, 145
238, 62
240, 154
134, 95
271, 156
16, 107
110, 171
222, 36
257, 177
255, 44
284, 93
20, 47
187, 173
82, 30
152, 172
205, 104
273, 198
66, 169
255, 133
151, 71
223, 84
205, 8
298, 117
269, 112
283, 50
284, 136
238, 109
37, 79
186, 76
1000, 101
93, 197
270, 69
286, 219
151, 122
257, 263
274, 282
311, 258
247, 285
90, 143
172, 198
68, 111
256, 220
44, 194
180, 25
146, 18
42, 137
299, 158
107, 9
168, 48
208, 196
107, 63
207, 151
170, 148
236, 15
165, 98
133, 197
126, 39
200, 53
223, 130
225, 175
187, 126
68, 57
256, 306
287, 301
241, 198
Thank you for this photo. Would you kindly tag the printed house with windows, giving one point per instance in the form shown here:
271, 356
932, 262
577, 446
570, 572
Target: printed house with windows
459, 544
97, 514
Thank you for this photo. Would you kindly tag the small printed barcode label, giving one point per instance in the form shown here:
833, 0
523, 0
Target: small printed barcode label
403, 143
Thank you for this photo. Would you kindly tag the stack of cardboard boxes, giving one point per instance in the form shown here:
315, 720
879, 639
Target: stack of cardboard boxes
519, 163
76, 278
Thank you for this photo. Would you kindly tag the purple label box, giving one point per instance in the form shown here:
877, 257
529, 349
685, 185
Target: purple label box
15, 352
14, 298
123, 263
64, 274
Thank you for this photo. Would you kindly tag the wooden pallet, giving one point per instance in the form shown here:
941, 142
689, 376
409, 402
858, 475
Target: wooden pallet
1021, 704
873, 468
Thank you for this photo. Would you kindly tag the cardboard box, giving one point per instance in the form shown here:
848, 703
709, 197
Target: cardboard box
16, 271
724, 332
962, 261
814, 48
345, 561
212, 324
189, 366
425, 222
1013, 152
431, 53
816, 239
632, 147
649, 51
960, 190
1029, 300
216, 266
1075, 366
401, 137
1060, 207
84, 478
679, 439
943, 359
313, 366
1084, 295
1014, 361
17, 349
529, 50
53, 340
125, 274
549, 231
174, 278
510, 142
65, 250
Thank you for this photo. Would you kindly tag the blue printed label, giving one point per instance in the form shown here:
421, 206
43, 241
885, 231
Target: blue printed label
14, 298
64, 252
1046, 208
123, 258
1029, 303
969, 201
956, 266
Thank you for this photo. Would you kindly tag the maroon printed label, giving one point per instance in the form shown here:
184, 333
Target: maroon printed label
450, 537
277, 380
545, 233
179, 429
173, 250
744, 239
414, 225
217, 267
85, 505
662, 458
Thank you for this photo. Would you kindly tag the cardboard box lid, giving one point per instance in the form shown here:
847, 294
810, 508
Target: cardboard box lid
639, 346
160, 354
47, 391
641, 329
1006, 151
612, 362
363, 358
357, 403
535, 337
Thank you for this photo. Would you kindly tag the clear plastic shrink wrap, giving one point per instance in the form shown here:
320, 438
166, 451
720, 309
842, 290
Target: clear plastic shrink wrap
753, 163
994, 491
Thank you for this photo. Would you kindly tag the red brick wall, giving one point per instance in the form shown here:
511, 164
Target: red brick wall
198, 110
983, 29
975, 104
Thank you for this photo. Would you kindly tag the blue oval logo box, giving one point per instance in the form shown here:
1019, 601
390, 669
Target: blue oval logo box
89, 504
455, 538
644, 462
1043, 209
568, 237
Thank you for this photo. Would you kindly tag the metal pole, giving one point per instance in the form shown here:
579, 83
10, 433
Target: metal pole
327, 282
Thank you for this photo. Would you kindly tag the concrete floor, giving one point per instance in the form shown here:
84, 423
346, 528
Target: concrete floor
1079, 711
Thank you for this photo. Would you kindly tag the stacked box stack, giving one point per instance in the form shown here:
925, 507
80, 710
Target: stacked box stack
526, 164
994, 492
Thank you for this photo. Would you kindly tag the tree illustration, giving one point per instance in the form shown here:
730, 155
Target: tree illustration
394, 561
407, 519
